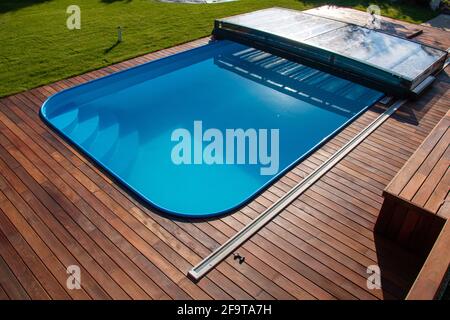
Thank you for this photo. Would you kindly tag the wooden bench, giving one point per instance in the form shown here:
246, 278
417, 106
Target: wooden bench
416, 202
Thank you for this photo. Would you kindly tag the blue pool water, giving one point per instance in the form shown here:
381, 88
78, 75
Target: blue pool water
125, 121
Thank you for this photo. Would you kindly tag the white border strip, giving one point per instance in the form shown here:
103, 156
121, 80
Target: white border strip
201, 269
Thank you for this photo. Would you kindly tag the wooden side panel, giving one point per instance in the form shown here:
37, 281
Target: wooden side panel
429, 283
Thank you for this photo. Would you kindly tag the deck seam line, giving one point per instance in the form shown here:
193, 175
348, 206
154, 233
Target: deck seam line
21, 258
204, 266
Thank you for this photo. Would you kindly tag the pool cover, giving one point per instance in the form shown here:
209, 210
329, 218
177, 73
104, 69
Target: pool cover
369, 56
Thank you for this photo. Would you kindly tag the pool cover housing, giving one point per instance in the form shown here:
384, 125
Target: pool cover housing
385, 62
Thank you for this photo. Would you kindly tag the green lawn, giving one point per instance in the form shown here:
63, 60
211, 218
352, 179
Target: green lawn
36, 47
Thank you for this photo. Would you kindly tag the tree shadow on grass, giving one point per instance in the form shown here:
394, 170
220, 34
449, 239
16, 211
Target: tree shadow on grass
14, 5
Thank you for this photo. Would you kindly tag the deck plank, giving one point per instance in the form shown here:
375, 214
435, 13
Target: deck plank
10, 284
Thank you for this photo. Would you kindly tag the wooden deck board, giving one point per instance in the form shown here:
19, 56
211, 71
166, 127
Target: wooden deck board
57, 208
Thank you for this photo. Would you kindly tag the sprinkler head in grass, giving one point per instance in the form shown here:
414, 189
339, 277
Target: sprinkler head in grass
119, 34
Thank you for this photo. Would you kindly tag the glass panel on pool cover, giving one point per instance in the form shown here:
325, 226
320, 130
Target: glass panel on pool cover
388, 62
406, 58
126, 121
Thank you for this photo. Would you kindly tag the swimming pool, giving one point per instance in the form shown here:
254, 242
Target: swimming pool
126, 122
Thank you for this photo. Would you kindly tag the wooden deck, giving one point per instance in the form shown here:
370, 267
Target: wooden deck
58, 209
